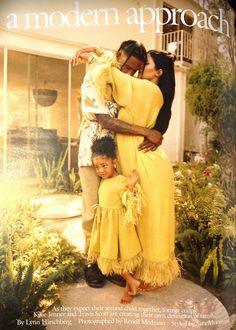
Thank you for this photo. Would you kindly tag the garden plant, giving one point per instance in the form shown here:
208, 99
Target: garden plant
33, 260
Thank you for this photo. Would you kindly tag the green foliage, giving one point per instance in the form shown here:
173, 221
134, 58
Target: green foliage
204, 193
33, 301
228, 277
212, 259
210, 95
204, 227
226, 118
52, 176
74, 182
204, 92
32, 261
50, 173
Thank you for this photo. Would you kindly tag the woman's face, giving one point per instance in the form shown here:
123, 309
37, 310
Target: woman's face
150, 72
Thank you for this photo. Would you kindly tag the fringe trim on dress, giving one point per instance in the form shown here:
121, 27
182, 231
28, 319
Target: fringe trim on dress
109, 266
158, 273
134, 202
93, 257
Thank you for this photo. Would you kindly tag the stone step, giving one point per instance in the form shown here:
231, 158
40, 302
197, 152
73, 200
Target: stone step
182, 305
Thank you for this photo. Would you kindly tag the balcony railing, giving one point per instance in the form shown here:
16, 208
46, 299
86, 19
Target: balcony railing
181, 41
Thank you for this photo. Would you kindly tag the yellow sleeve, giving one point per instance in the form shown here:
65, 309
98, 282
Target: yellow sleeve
129, 91
133, 202
135, 94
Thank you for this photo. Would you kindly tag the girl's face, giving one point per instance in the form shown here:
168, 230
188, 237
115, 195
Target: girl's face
105, 167
150, 72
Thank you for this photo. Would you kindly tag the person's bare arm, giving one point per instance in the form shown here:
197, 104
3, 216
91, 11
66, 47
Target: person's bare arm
118, 126
83, 54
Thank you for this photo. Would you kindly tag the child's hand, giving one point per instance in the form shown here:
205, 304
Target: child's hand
132, 179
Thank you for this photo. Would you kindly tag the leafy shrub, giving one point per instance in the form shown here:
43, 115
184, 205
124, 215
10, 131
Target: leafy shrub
205, 229
74, 184
51, 175
210, 95
32, 261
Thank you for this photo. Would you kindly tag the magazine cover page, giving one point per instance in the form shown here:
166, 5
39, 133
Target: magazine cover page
117, 164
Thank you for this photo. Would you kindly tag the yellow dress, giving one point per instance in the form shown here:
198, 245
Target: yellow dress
114, 243
140, 102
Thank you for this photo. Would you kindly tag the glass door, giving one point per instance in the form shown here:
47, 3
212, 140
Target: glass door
43, 96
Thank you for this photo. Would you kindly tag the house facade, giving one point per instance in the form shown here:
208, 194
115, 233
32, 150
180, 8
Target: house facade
40, 90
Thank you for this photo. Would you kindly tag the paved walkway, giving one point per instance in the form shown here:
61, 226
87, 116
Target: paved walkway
182, 305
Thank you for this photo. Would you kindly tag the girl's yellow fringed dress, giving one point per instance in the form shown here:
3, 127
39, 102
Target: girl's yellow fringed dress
114, 243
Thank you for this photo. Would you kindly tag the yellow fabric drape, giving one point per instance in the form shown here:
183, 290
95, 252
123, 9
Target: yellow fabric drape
140, 103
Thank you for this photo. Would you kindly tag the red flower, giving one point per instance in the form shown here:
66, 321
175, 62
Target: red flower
206, 172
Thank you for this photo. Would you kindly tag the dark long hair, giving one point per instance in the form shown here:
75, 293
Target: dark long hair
166, 83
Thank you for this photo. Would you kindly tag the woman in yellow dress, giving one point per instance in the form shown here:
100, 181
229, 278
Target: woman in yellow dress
140, 101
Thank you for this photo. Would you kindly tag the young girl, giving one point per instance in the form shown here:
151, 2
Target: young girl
114, 242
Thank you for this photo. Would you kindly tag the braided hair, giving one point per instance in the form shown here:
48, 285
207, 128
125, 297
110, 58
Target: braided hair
133, 48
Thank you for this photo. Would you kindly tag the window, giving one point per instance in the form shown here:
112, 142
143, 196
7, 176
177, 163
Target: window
39, 121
